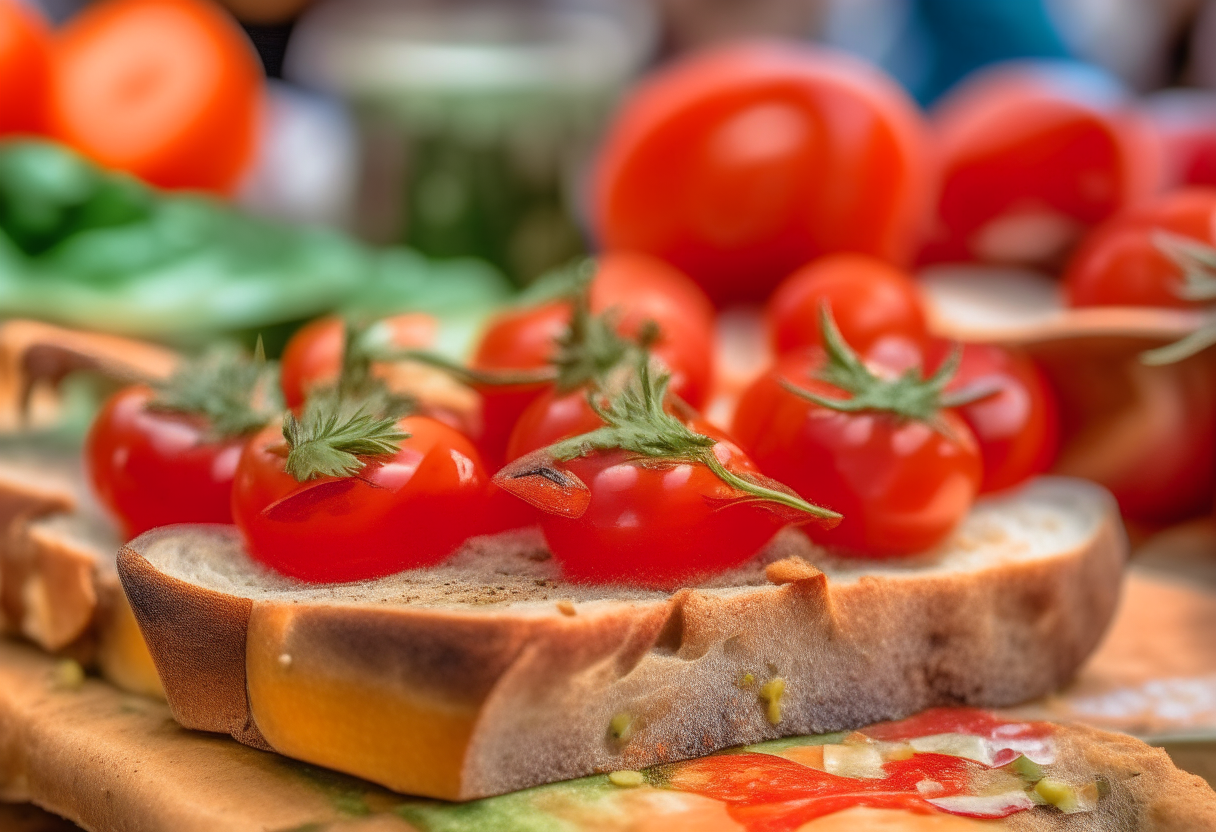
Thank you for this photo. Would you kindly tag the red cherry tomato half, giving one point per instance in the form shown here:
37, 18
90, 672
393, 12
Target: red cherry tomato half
869, 299
658, 525
1185, 122
743, 162
901, 485
168, 90
1032, 155
1121, 263
313, 356
1018, 427
409, 511
25, 68
152, 468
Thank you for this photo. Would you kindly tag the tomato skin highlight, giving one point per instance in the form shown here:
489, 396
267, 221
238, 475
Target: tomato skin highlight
869, 299
25, 68
168, 90
1032, 154
1018, 428
551, 417
901, 485
658, 524
405, 512
1119, 264
152, 468
313, 356
743, 162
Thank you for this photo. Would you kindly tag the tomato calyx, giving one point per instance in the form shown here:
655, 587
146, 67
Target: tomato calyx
1197, 260
362, 343
237, 395
909, 396
334, 437
636, 421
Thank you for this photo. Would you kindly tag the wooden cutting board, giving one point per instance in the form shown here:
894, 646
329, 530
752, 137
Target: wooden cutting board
113, 762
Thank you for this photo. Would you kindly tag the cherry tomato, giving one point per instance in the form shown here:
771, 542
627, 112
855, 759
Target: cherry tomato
655, 524
901, 484
409, 511
869, 299
1033, 154
640, 289
313, 356
25, 68
152, 468
517, 339
551, 417
1120, 262
743, 162
168, 90
1018, 428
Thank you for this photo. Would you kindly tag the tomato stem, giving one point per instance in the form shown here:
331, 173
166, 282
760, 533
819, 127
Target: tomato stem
236, 394
470, 375
1197, 260
911, 395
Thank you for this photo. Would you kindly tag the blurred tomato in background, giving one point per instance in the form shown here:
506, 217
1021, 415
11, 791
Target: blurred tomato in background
25, 68
740, 164
1033, 154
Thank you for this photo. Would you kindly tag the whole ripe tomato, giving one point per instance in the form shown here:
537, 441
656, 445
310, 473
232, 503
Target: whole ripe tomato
869, 299
405, 511
659, 524
550, 417
1033, 154
902, 484
743, 162
517, 339
313, 356
168, 90
634, 288
25, 68
1018, 427
1122, 263
150, 467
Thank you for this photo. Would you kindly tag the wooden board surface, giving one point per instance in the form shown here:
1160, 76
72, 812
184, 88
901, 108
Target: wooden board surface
114, 762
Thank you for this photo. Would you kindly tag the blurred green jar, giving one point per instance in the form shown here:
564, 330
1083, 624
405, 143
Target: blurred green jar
476, 117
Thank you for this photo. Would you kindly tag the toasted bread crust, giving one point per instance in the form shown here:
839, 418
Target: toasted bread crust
205, 687
540, 687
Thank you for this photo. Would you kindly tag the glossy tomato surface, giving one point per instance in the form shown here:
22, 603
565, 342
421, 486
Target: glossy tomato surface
1032, 155
638, 289
408, 511
168, 90
1121, 262
313, 356
1018, 427
869, 300
658, 525
551, 417
901, 484
516, 339
25, 68
743, 162
152, 468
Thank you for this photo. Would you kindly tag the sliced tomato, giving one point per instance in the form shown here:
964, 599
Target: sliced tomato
168, 90
1122, 262
25, 68
743, 162
1034, 153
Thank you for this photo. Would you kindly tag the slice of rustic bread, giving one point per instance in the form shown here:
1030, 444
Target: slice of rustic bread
490, 674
